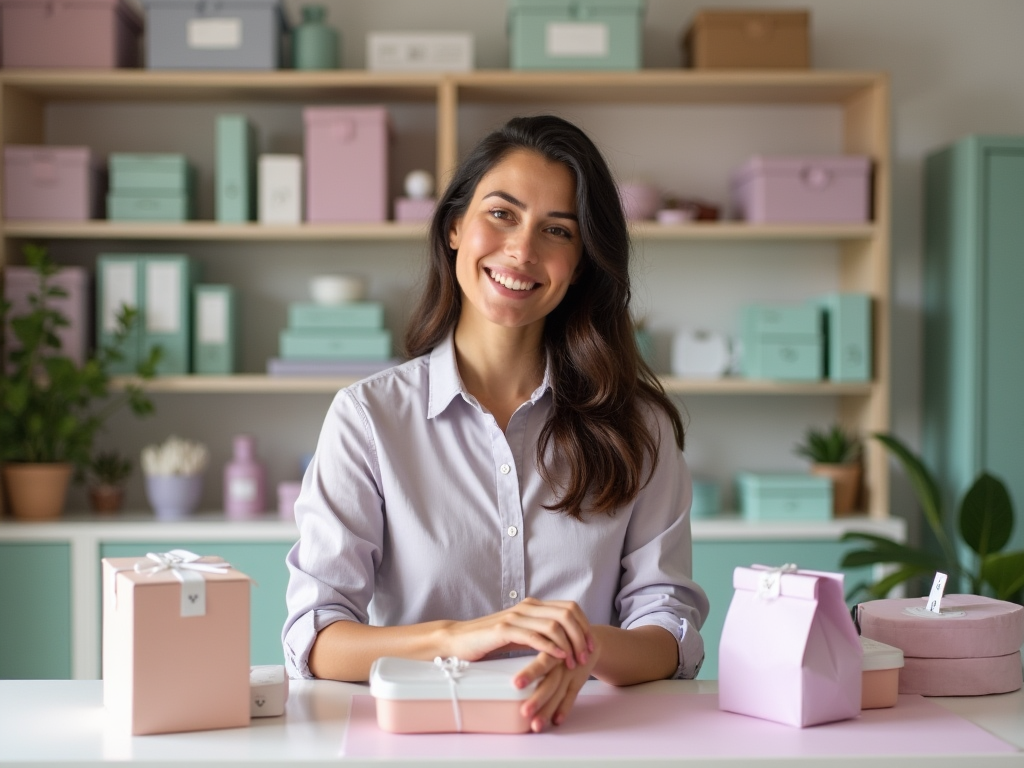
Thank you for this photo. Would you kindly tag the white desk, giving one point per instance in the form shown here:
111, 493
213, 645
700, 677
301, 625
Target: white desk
63, 723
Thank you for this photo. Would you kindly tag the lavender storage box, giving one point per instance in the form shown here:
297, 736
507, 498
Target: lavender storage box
99, 34
50, 183
20, 282
346, 163
803, 189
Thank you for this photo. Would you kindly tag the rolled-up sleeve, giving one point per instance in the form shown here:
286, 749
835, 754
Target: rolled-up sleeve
657, 587
340, 517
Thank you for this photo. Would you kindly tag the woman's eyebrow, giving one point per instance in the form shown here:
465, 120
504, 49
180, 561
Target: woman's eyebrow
521, 205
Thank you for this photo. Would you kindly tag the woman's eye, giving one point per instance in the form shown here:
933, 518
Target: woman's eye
560, 232
499, 213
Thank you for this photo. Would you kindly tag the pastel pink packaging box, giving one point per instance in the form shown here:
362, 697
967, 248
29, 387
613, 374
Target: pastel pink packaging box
346, 164
880, 679
97, 34
48, 183
175, 643
971, 647
21, 282
449, 695
803, 189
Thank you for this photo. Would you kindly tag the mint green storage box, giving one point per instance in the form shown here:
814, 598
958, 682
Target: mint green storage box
353, 314
575, 34
769, 496
235, 174
148, 207
168, 173
214, 330
848, 352
333, 344
782, 342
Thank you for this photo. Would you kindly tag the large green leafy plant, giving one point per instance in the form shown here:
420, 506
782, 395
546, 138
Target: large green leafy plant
985, 523
51, 408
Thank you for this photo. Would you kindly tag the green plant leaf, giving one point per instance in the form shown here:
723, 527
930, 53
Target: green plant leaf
1004, 572
986, 515
887, 551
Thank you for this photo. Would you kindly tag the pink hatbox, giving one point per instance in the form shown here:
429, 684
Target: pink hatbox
449, 695
20, 282
47, 183
803, 189
100, 34
346, 164
175, 643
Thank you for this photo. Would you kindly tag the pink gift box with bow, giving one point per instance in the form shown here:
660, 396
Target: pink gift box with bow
175, 643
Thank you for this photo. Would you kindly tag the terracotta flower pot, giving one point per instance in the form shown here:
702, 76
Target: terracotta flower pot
37, 491
106, 498
845, 486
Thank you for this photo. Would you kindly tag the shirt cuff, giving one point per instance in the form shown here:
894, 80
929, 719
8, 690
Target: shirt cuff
299, 639
688, 640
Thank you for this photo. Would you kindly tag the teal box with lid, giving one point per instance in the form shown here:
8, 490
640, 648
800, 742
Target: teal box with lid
782, 342
575, 34
784, 496
847, 336
352, 314
168, 173
333, 344
149, 207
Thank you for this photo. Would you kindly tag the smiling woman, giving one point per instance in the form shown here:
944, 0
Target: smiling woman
518, 485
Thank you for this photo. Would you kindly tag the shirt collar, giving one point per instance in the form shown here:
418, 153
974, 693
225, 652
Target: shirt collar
445, 382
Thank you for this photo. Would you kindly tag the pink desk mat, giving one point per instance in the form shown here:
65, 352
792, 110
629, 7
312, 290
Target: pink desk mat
690, 725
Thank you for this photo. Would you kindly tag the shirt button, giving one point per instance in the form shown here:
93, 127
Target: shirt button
513, 594
505, 469
512, 530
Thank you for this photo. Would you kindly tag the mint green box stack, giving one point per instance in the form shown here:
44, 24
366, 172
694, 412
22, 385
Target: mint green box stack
575, 34
235, 176
782, 342
150, 187
339, 332
159, 286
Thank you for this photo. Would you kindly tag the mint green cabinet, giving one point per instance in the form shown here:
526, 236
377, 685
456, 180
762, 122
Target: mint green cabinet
35, 611
262, 561
974, 321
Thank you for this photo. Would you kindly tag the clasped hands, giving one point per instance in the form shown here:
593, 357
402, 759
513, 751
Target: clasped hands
566, 652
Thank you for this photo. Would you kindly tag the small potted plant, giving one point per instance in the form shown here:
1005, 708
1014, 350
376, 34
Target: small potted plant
174, 476
835, 453
107, 472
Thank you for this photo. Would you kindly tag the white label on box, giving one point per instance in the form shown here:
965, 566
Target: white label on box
215, 34
119, 289
163, 297
576, 39
212, 312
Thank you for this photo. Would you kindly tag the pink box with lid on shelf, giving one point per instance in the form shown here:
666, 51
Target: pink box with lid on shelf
803, 189
346, 164
99, 34
48, 183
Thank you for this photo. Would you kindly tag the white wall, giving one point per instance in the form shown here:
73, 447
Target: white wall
953, 72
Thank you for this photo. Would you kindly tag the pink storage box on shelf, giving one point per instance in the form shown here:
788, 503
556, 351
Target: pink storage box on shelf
803, 189
99, 34
346, 164
51, 183
971, 648
19, 282
449, 695
175, 643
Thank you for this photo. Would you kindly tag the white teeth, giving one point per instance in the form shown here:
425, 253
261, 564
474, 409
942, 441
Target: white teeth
511, 283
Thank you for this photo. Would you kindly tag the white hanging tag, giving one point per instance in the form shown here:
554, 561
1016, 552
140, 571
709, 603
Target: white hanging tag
935, 596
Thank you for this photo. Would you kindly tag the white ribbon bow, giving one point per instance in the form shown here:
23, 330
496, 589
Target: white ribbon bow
769, 583
453, 667
185, 566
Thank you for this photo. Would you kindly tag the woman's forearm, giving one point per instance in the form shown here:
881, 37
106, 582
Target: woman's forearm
345, 650
631, 656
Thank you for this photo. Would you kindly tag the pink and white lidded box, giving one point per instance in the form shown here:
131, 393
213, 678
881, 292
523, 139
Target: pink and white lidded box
449, 695
21, 282
175, 643
803, 189
47, 183
98, 34
346, 163
880, 678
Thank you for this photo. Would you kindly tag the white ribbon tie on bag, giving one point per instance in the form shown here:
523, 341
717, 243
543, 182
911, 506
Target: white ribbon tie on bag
453, 667
769, 584
185, 566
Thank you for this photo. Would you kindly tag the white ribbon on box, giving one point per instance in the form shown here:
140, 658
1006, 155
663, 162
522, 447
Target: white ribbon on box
453, 667
189, 571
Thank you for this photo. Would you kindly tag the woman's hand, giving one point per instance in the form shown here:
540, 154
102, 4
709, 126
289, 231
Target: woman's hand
556, 693
556, 628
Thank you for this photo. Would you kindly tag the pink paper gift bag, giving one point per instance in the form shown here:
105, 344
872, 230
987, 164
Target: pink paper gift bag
789, 650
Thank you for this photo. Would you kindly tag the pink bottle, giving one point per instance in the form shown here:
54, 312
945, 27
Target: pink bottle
244, 481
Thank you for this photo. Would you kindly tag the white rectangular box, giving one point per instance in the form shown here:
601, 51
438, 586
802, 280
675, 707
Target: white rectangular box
419, 51
280, 189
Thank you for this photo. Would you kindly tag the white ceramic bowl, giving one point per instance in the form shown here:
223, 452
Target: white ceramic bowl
337, 289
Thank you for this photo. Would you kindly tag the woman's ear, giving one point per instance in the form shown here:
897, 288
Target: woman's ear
453, 234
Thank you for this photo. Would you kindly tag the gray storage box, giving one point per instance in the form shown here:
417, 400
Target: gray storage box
214, 34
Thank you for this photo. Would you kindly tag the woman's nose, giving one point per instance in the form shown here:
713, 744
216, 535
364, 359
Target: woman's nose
520, 245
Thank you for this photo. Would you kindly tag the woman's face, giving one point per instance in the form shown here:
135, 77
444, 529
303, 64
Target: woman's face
518, 243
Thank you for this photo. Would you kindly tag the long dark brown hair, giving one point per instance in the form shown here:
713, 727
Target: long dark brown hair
599, 429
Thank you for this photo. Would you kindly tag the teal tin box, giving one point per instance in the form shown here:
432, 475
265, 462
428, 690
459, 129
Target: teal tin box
782, 342
778, 496
575, 34
848, 348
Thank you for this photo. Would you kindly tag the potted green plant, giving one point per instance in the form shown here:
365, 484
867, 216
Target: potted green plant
835, 453
985, 523
107, 472
50, 407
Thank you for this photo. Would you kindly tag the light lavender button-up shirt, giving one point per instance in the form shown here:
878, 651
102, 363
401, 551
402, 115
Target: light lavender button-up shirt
417, 507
